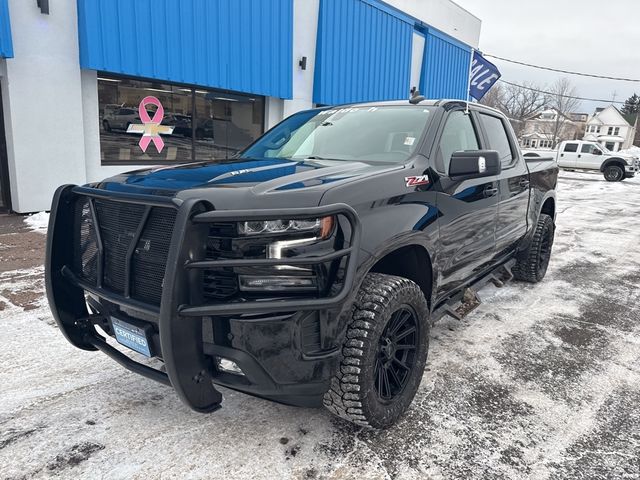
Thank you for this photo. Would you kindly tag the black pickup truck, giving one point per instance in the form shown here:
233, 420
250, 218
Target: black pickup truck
309, 269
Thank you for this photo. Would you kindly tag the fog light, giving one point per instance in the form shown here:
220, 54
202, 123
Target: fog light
252, 283
228, 366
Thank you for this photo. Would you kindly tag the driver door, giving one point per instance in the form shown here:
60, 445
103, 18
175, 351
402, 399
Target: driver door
589, 157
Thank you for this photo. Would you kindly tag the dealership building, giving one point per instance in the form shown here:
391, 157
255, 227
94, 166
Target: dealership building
73, 74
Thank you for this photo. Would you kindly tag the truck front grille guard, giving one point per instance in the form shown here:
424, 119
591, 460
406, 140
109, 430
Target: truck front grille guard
179, 317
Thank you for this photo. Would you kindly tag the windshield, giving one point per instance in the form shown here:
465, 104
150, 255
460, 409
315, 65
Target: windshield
372, 134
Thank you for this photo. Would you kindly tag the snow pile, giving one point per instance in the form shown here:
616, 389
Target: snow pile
38, 222
635, 151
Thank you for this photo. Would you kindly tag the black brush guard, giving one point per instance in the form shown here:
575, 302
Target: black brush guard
179, 318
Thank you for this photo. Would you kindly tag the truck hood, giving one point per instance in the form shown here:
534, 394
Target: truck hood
226, 182
625, 156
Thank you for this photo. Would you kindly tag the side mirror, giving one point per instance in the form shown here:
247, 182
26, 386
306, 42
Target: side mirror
474, 164
597, 152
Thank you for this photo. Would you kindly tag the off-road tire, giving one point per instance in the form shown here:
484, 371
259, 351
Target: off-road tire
614, 173
532, 265
353, 395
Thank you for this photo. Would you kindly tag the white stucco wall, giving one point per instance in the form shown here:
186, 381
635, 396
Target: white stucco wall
417, 57
305, 28
42, 104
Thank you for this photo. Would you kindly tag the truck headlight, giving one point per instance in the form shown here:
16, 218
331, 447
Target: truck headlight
277, 283
322, 227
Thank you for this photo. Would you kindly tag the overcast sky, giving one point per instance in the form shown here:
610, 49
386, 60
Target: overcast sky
591, 36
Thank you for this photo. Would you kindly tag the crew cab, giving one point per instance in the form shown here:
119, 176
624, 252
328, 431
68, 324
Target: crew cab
580, 155
309, 269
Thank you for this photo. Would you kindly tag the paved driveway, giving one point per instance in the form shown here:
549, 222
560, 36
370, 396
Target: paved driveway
539, 382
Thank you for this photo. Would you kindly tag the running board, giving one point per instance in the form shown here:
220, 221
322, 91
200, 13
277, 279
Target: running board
466, 301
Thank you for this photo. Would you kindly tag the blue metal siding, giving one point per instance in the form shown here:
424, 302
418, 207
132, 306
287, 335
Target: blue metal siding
445, 68
363, 52
6, 44
241, 45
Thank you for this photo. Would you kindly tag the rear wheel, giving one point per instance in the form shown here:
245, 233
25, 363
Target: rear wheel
532, 266
614, 173
384, 353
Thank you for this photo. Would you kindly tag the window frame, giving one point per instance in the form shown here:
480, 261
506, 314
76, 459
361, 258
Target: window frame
591, 148
438, 136
193, 87
508, 130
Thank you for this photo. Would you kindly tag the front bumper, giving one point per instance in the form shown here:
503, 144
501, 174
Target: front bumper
632, 170
263, 337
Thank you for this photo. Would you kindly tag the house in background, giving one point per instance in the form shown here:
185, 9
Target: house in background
548, 128
611, 129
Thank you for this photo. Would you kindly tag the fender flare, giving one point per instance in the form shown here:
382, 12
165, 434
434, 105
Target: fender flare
609, 161
551, 194
526, 240
403, 240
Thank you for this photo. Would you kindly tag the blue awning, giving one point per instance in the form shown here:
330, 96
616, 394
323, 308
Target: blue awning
245, 46
6, 44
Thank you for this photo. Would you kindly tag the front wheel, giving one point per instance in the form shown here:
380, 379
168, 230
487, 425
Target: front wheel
532, 266
614, 173
384, 353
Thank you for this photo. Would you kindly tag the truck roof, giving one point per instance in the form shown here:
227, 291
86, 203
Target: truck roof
424, 103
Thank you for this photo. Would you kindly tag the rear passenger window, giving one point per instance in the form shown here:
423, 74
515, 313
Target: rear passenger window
498, 138
571, 147
458, 135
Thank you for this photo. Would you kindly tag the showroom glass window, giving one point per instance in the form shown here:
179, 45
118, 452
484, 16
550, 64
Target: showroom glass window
207, 124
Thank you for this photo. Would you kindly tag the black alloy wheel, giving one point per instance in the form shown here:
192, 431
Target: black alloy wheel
396, 353
544, 256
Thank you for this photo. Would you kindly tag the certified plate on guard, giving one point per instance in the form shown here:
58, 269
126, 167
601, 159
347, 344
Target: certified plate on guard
132, 336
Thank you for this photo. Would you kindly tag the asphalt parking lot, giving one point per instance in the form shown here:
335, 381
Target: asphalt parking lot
541, 381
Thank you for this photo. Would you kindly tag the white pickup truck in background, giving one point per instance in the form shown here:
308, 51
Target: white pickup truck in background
579, 155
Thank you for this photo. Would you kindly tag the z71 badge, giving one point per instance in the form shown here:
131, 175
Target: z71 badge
417, 181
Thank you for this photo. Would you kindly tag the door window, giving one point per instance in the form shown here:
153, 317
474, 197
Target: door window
458, 135
571, 147
591, 149
498, 138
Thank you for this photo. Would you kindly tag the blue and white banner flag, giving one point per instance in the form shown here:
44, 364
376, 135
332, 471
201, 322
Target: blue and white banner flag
483, 76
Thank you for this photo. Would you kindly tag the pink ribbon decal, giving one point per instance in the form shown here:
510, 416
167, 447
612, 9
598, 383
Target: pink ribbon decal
151, 128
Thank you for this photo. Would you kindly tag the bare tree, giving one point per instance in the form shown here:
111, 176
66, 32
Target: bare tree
562, 99
517, 102
494, 98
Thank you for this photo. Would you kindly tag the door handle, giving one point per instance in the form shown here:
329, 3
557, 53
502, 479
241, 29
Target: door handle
562, 154
490, 192
579, 156
524, 183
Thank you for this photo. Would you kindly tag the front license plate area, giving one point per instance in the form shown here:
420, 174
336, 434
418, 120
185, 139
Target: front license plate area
135, 337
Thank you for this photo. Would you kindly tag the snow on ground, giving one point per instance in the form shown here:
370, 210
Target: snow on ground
38, 222
541, 381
